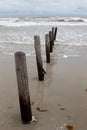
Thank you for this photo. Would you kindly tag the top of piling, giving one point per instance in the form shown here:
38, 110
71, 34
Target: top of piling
19, 53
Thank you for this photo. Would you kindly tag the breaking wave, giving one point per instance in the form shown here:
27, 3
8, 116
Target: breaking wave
28, 21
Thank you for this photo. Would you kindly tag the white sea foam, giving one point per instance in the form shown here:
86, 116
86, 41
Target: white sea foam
43, 21
17, 34
65, 56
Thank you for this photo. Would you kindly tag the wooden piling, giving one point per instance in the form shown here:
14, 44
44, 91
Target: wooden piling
23, 90
39, 58
55, 33
51, 41
47, 46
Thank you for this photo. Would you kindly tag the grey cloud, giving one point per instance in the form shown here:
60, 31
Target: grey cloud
43, 7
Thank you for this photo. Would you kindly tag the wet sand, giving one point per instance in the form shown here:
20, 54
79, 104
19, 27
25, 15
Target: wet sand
63, 94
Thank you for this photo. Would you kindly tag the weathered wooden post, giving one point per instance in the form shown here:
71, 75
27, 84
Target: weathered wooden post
47, 46
23, 90
55, 33
51, 42
39, 58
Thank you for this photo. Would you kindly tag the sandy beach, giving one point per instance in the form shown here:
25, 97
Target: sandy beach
61, 96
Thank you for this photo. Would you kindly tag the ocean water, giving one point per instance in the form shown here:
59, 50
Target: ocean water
17, 34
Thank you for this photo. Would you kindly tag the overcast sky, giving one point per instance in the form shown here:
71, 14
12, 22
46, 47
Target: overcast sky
43, 8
